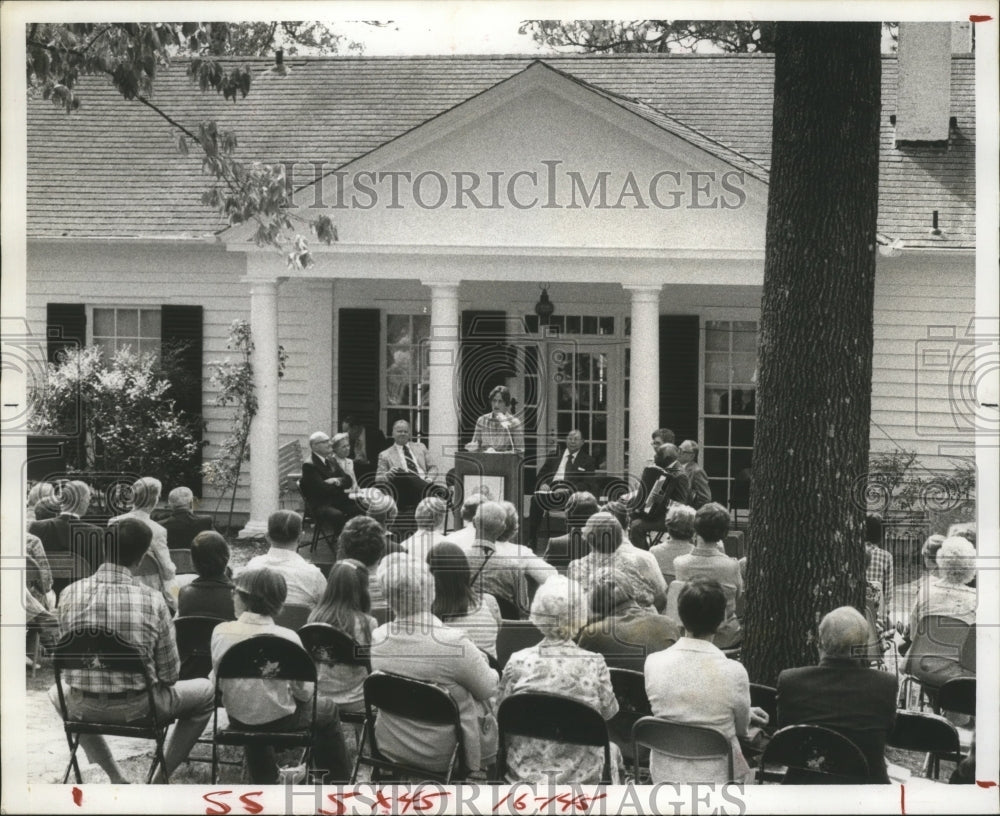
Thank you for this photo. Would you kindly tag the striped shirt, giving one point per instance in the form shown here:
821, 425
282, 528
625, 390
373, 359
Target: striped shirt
110, 599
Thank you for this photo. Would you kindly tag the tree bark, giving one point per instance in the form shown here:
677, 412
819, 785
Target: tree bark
806, 551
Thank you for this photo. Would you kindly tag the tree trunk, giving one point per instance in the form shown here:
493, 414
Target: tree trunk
806, 552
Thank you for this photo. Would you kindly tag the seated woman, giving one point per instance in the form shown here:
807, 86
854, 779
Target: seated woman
680, 539
417, 644
557, 665
499, 430
623, 627
429, 517
456, 602
211, 593
265, 704
693, 682
42, 502
363, 541
345, 606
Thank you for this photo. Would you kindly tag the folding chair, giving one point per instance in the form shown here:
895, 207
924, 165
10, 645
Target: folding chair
194, 644
183, 561
935, 656
331, 646
309, 517
551, 717
417, 700
513, 636
274, 658
681, 741
929, 734
293, 616
958, 695
104, 650
812, 755
633, 704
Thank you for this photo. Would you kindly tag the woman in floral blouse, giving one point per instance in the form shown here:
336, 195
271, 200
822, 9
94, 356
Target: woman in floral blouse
558, 666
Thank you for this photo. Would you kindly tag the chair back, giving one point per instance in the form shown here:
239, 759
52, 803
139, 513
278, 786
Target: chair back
183, 561
67, 567
266, 657
513, 636
924, 732
411, 699
293, 616
937, 648
633, 704
682, 741
766, 697
815, 755
328, 644
958, 695
551, 717
194, 644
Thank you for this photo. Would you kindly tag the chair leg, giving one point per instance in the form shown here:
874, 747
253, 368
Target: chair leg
315, 538
159, 760
74, 744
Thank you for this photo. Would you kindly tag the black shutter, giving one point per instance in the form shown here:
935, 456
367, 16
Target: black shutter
359, 365
679, 375
485, 363
65, 327
182, 339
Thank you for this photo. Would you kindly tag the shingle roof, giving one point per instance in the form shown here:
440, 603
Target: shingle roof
111, 169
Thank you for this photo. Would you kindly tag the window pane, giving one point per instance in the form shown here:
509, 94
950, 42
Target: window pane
397, 328
739, 463
557, 323
717, 432
745, 336
717, 368
743, 366
107, 345
421, 327
716, 462
716, 401
564, 423
589, 325
104, 323
716, 335
720, 490
573, 324
128, 323
149, 323
607, 325
150, 347
599, 430
531, 323
743, 433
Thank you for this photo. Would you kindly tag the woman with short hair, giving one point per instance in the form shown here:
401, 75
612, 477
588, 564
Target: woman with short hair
363, 541
680, 539
456, 601
429, 517
211, 593
557, 665
274, 704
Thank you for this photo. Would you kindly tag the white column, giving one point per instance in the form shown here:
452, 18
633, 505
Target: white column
644, 396
264, 428
444, 352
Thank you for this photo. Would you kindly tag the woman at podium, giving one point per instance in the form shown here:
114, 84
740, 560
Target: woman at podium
499, 430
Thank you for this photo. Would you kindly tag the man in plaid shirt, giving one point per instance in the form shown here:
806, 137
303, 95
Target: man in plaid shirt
110, 599
878, 567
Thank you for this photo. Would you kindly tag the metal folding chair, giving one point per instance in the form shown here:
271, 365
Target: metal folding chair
812, 755
513, 636
681, 741
633, 704
330, 646
929, 734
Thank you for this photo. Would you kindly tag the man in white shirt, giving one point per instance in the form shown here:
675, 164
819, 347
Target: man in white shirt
466, 537
305, 582
407, 466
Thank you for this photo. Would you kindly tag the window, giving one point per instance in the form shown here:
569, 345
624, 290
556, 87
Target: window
573, 324
407, 375
730, 405
116, 328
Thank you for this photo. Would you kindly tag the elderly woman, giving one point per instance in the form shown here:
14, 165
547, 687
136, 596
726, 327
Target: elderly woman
680, 539
559, 666
417, 644
160, 574
429, 517
499, 430
929, 551
609, 547
694, 683
42, 502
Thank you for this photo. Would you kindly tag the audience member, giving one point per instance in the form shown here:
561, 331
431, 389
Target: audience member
623, 627
42, 502
929, 551
363, 541
417, 645
110, 599
305, 583
694, 683
211, 593
39, 599
680, 539
158, 570
456, 602
74, 547
346, 605
382, 508
466, 536
493, 572
429, 516
537, 569
182, 525
274, 704
663, 483
709, 560
325, 483
558, 666
364, 443
878, 567
699, 493
662, 436
609, 548
842, 693
561, 550
963, 529
561, 473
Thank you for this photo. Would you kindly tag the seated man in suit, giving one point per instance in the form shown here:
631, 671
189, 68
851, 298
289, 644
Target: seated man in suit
182, 524
365, 443
326, 485
662, 483
568, 466
407, 467
842, 693
560, 550
700, 493
74, 547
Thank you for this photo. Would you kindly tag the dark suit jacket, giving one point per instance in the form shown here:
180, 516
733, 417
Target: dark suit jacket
182, 526
315, 489
675, 489
583, 465
65, 535
856, 701
375, 442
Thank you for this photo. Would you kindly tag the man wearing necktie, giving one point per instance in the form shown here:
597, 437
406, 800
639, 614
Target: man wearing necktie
406, 465
567, 471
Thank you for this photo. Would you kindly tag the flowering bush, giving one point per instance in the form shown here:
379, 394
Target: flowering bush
121, 412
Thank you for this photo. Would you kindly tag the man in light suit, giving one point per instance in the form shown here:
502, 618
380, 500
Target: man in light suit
570, 466
407, 467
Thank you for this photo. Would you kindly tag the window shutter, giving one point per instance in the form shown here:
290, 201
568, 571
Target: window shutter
359, 365
65, 326
679, 375
182, 327
485, 364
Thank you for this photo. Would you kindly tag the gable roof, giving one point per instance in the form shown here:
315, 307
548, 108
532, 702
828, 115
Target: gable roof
111, 169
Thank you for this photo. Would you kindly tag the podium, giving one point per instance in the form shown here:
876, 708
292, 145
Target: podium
502, 474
